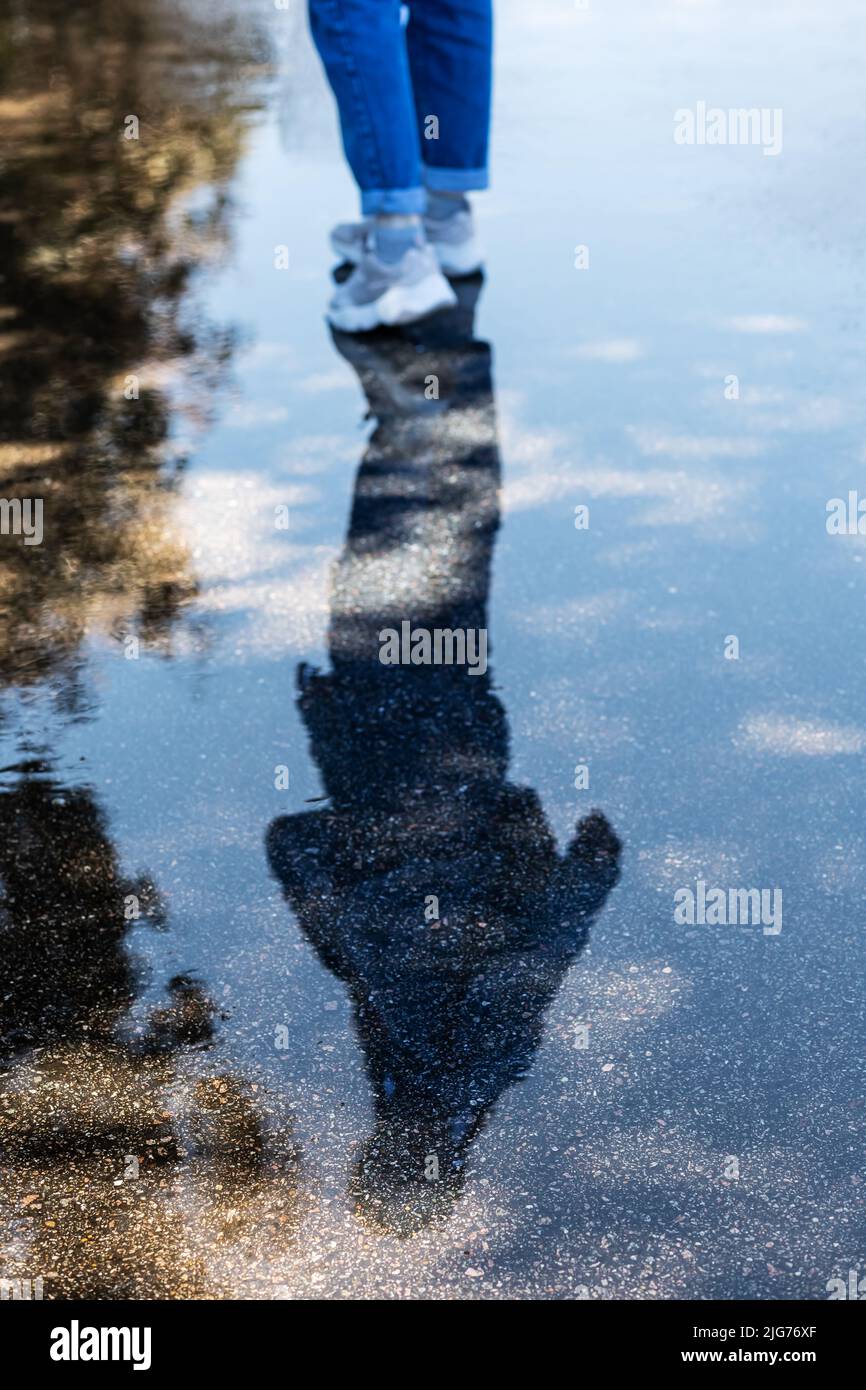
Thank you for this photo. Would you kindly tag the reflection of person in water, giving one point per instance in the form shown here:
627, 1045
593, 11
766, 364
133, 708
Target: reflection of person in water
414, 760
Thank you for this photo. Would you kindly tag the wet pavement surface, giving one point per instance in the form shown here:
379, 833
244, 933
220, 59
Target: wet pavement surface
322, 977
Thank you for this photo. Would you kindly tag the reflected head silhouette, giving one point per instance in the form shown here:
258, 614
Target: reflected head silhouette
431, 885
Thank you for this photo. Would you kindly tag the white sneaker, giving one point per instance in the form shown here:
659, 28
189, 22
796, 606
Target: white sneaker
453, 239
378, 294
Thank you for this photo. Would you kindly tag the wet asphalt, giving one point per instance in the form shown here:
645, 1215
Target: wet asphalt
323, 977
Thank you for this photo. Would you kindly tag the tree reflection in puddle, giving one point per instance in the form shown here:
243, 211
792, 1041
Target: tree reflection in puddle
125, 1148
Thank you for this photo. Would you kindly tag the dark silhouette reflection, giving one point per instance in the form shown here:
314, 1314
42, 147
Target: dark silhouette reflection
94, 1156
100, 240
414, 759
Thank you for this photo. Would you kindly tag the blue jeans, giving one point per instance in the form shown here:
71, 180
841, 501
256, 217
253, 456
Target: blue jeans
414, 103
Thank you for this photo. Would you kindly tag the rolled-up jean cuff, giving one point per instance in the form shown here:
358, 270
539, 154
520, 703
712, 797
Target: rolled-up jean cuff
454, 180
392, 200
